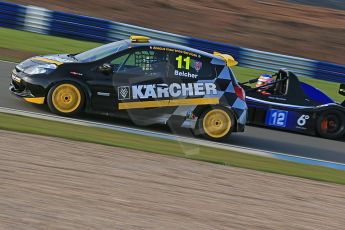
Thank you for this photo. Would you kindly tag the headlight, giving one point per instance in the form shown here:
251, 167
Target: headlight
40, 69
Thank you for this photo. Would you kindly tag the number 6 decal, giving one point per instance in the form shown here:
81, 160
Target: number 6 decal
302, 120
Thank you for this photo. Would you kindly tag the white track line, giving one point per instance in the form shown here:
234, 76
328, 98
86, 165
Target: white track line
9, 62
178, 138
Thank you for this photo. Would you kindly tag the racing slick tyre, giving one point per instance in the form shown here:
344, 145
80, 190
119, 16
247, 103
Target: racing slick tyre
331, 124
66, 99
215, 123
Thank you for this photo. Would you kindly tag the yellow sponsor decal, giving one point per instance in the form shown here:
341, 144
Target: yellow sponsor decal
49, 60
35, 100
162, 103
174, 50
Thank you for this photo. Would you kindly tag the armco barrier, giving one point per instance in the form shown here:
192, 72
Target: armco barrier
40, 20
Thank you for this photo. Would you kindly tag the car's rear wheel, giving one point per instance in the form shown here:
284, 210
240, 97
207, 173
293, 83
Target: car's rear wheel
215, 123
331, 124
66, 99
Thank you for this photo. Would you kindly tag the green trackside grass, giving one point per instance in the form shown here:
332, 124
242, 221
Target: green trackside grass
43, 44
166, 147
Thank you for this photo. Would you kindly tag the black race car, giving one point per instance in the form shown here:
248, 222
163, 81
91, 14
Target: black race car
295, 106
148, 81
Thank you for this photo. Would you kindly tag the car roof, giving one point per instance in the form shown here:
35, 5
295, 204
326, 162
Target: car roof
153, 42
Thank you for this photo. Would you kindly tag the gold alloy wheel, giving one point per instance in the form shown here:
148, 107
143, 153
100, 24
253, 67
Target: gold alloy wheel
217, 123
66, 98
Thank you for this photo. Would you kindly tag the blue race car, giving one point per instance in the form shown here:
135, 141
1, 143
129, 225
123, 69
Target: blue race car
295, 106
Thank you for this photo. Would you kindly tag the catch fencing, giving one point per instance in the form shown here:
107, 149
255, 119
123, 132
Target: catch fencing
41, 20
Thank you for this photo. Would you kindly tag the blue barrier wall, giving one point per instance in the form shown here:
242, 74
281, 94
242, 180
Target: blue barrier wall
40, 20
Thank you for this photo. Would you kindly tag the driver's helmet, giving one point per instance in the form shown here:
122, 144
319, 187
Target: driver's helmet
264, 79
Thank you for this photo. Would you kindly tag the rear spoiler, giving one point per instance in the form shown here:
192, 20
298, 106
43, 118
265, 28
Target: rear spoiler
342, 89
229, 60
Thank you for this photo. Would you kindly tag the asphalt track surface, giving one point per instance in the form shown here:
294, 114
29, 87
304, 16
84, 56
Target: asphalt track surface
254, 137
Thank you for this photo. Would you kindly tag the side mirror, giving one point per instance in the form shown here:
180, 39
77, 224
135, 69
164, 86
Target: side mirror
106, 68
342, 89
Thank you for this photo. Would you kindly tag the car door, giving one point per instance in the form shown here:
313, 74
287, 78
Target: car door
112, 78
190, 71
136, 81
103, 92
108, 75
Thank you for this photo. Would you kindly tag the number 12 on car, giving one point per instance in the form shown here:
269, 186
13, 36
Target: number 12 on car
276, 118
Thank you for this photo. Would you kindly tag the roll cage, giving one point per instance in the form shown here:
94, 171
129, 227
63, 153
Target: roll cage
280, 85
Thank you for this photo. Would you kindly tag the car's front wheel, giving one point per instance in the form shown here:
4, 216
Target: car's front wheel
215, 123
66, 99
331, 124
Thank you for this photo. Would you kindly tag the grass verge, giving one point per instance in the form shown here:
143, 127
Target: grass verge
40, 44
27, 43
166, 147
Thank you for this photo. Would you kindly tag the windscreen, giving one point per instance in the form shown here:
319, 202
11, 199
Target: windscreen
101, 51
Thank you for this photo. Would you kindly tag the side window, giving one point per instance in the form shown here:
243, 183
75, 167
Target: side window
118, 62
209, 71
142, 61
191, 67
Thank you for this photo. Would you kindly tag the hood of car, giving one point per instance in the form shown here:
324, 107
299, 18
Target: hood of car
57, 60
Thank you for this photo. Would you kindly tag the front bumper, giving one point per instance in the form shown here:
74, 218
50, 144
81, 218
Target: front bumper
20, 92
26, 94
22, 89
